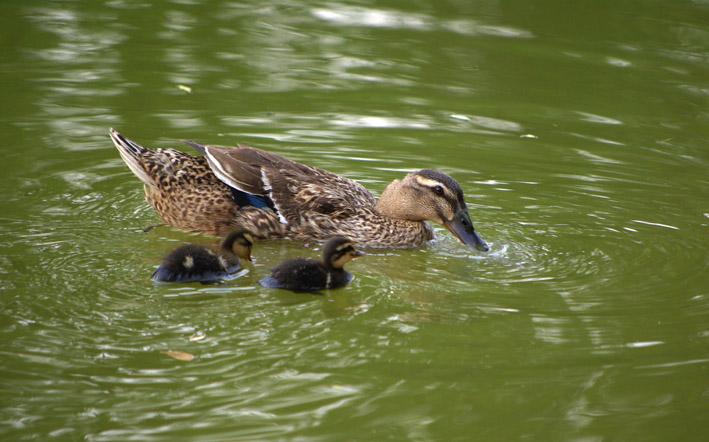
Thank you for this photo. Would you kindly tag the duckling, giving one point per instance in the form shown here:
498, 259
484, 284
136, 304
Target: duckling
306, 275
193, 262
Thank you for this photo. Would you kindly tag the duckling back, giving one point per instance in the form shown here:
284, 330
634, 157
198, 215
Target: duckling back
192, 262
305, 275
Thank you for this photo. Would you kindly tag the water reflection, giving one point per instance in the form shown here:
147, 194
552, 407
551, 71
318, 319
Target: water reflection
343, 15
581, 151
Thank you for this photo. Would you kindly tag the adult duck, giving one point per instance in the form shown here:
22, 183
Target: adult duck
273, 197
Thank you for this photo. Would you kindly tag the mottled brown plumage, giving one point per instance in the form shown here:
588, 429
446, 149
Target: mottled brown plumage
274, 197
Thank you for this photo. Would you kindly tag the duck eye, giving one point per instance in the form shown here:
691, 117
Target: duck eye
438, 190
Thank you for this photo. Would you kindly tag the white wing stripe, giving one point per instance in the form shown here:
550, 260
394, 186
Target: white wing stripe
267, 187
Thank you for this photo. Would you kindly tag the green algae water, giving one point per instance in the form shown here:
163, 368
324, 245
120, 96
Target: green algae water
578, 133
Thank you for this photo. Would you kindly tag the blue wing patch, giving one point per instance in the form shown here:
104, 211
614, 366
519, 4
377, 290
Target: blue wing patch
247, 199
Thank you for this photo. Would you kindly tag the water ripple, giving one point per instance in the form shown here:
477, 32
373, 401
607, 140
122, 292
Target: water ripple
591, 299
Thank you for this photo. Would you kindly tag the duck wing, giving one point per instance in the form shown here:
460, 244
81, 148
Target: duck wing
238, 167
296, 190
301, 196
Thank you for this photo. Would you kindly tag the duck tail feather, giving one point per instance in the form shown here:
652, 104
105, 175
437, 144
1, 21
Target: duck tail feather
201, 148
134, 156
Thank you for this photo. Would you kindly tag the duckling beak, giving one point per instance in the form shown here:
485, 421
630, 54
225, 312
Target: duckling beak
461, 226
357, 254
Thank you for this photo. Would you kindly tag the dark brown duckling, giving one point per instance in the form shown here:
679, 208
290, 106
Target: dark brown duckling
193, 262
307, 275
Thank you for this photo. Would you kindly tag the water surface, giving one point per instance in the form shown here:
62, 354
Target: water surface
577, 132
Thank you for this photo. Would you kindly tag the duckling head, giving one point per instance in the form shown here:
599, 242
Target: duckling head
339, 251
428, 195
239, 242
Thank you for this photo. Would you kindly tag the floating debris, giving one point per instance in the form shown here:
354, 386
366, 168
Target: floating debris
179, 355
182, 87
198, 337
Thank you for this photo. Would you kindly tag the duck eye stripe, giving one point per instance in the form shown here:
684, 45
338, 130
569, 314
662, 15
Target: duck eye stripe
428, 182
434, 185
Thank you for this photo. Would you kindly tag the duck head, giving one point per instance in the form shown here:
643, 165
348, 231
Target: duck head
428, 195
339, 251
239, 242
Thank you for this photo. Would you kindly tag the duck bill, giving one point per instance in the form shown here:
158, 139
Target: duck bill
461, 226
357, 254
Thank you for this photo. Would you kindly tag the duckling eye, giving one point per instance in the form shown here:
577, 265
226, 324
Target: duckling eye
438, 190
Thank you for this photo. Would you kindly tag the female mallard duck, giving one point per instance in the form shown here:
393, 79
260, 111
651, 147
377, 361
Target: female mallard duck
307, 275
192, 262
277, 198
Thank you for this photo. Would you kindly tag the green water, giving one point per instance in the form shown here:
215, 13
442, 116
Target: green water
577, 130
